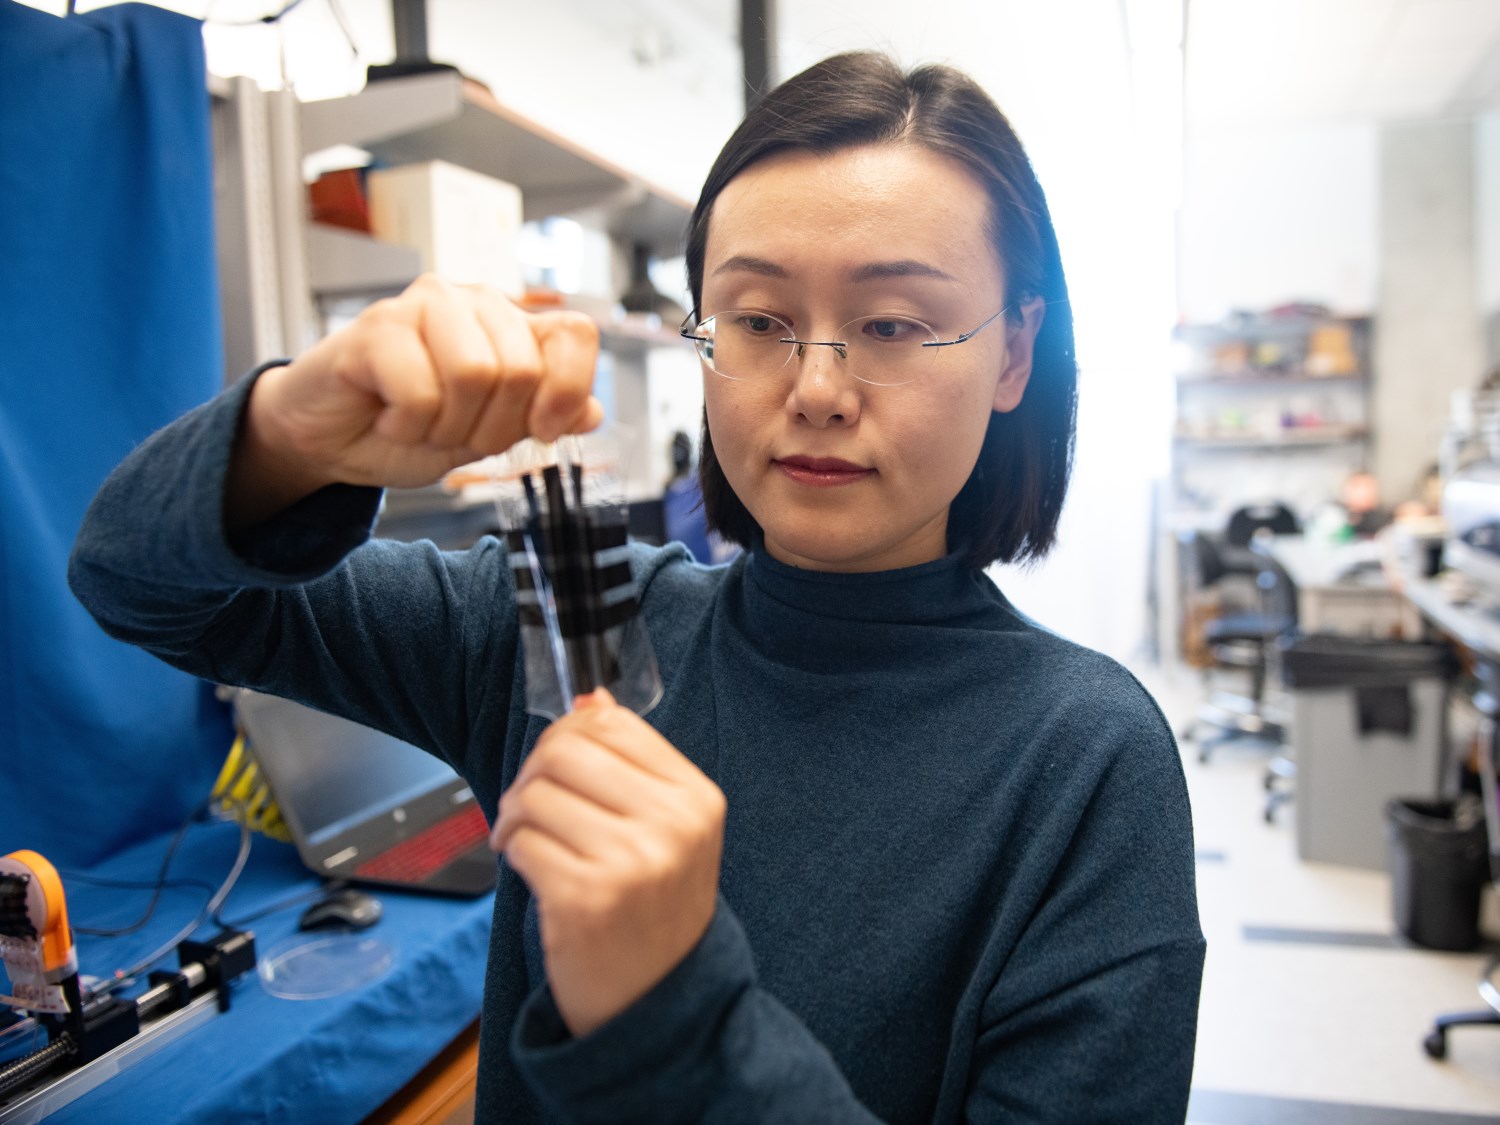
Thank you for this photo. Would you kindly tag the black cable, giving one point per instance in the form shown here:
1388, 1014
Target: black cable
129, 885
123, 977
157, 886
281, 904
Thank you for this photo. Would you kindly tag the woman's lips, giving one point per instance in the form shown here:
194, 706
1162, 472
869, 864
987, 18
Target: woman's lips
822, 472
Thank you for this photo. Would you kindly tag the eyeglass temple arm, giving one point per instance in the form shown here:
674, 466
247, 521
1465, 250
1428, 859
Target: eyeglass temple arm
967, 335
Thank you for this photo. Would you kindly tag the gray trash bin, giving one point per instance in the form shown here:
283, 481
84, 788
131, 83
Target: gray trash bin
1368, 724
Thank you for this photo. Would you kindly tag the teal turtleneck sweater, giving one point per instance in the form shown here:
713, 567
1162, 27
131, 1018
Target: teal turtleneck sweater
958, 869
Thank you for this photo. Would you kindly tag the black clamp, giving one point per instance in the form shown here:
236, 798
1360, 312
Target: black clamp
225, 957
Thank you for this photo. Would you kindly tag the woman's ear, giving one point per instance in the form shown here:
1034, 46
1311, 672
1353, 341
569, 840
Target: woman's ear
1019, 347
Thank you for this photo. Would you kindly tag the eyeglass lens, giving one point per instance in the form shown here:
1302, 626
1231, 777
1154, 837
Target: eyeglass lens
884, 350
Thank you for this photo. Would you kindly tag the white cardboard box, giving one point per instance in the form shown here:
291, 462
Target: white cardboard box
464, 224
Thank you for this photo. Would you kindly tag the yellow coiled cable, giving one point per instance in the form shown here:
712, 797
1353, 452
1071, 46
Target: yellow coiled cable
241, 794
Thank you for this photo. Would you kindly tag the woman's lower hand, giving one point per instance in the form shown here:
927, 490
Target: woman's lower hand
619, 837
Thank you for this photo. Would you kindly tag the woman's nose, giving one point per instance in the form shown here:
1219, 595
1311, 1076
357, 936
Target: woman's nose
823, 390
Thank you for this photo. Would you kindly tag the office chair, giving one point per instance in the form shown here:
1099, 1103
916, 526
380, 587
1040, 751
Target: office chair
1436, 1042
1243, 640
1249, 521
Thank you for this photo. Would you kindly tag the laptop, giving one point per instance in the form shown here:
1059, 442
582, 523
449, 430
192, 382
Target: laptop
364, 806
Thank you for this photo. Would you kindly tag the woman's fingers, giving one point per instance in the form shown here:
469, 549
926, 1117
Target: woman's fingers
585, 827
569, 343
502, 422
503, 373
401, 375
631, 737
534, 855
415, 386
597, 773
462, 368
469, 366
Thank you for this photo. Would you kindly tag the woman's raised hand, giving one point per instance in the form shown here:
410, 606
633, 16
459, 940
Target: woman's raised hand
416, 385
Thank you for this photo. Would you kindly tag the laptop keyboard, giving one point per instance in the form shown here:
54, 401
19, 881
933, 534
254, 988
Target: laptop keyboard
428, 851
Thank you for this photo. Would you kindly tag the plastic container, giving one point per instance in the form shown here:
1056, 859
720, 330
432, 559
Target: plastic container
315, 966
1439, 866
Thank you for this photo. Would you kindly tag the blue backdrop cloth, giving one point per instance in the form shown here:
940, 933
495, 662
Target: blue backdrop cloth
109, 327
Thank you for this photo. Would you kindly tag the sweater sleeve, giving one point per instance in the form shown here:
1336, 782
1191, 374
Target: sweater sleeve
1094, 1017
705, 1045
305, 605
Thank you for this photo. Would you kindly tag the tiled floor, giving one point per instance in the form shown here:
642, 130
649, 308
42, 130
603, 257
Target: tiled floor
1312, 1010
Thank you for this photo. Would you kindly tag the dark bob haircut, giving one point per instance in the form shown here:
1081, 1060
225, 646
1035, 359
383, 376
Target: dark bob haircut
1009, 507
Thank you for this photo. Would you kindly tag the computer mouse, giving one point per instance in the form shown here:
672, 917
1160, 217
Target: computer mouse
347, 908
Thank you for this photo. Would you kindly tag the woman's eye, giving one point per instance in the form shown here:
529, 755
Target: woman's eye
893, 330
759, 325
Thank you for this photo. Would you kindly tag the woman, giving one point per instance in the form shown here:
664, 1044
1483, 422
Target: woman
885, 850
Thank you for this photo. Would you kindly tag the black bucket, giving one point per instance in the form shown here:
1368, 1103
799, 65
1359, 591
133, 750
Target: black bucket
1439, 866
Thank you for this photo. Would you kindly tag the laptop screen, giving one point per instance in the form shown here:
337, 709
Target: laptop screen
331, 773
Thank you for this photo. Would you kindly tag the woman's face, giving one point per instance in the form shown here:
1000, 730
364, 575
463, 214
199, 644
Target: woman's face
842, 475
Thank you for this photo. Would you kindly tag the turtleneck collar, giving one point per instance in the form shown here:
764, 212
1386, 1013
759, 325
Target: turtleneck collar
933, 592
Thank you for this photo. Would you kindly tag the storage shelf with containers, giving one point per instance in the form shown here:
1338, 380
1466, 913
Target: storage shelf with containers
1274, 404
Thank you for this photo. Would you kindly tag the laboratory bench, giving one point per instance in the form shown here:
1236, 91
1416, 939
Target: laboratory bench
398, 1045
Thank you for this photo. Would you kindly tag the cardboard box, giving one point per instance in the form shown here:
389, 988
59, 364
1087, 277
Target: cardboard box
464, 224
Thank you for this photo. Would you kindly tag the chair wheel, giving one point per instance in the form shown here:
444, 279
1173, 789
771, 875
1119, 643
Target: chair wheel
1436, 1044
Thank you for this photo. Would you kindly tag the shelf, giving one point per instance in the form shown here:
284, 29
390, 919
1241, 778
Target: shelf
1309, 437
448, 117
1264, 328
624, 339
346, 262
1267, 379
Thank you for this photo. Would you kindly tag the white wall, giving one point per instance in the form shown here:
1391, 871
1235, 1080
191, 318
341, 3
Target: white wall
1272, 215
1487, 211
1428, 339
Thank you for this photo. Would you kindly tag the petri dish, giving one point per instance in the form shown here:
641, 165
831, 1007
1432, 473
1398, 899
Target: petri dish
317, 966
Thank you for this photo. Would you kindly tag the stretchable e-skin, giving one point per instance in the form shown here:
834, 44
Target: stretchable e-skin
576, 597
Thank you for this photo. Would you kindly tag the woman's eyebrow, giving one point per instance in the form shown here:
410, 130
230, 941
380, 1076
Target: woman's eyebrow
870, 271
744, 263
904, 267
